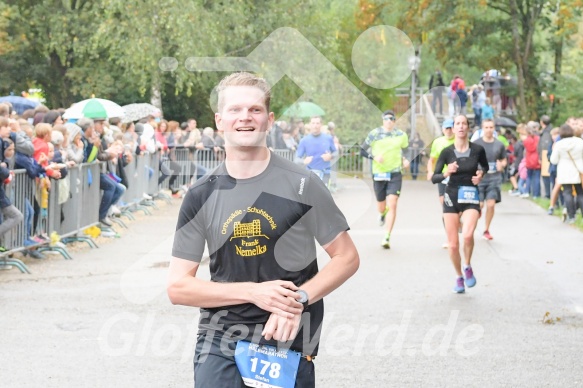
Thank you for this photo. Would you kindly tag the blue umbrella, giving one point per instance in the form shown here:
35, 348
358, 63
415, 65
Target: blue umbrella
20, 104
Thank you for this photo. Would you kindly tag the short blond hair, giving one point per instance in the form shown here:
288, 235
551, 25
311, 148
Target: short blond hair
42, 129
243, 79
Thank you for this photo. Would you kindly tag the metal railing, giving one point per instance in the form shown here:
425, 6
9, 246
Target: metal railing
72, 205
350, 162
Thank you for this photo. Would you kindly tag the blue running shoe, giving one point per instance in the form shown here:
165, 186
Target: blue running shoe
470, 279
459, 286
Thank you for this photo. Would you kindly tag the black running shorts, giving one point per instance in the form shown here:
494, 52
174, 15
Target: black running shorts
382, 189
451, 204
216, 367
490, 190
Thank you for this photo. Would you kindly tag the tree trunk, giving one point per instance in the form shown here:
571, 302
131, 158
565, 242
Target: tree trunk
156, 94
558, 57
518, 59
60, 84
558, 43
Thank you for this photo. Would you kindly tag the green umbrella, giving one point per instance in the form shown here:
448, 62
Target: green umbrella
304, 109
94, 108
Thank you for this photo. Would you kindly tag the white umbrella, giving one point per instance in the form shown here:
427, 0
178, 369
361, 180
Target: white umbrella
94, 108
135, 112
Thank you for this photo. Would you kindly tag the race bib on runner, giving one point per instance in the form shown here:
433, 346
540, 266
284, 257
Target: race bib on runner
492, 168
382, 176
265, 366
468, 194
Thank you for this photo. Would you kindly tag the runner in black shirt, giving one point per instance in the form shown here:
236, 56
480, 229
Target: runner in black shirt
260, 217
461, 196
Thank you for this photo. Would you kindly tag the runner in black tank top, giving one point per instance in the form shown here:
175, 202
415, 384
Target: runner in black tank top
461, 196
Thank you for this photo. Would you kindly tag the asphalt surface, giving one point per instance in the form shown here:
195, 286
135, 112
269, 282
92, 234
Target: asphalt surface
103, 319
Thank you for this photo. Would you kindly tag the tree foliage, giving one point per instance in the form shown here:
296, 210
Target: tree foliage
74, 49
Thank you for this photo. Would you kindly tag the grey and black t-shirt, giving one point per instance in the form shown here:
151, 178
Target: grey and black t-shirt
494, 151
259, 229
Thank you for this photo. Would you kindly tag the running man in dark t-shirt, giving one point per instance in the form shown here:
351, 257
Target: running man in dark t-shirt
260, 217
491, 185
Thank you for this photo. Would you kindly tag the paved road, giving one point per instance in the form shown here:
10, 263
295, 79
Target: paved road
104, 320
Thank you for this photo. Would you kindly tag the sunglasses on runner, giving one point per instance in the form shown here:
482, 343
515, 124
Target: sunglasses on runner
392, 118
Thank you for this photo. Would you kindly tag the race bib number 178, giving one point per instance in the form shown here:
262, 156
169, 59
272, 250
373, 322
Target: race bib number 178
265, 366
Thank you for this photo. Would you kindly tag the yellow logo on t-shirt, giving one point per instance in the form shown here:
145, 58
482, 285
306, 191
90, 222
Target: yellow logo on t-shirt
249, 234
248, 229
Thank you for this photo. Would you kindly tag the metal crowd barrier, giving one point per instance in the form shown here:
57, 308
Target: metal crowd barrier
142, 174
76, 210
183, 157
133, 191
80, 210
350, 162
286, 154
152, 183
209, 159
19, 191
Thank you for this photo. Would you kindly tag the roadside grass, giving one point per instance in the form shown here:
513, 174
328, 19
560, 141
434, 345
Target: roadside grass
545, 203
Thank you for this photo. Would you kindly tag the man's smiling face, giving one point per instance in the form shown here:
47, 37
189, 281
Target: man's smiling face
243, 116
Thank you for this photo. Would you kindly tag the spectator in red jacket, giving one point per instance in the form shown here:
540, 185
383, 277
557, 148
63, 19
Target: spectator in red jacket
533, 163
41, 149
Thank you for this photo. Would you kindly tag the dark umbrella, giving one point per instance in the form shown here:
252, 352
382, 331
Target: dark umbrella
505, 122
20, 104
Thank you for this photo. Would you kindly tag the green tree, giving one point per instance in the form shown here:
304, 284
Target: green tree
486, 34
54, 36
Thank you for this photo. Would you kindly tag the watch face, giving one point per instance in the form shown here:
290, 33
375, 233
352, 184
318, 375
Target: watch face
303, 296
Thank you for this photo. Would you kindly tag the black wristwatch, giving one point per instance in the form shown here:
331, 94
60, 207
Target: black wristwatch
304, 300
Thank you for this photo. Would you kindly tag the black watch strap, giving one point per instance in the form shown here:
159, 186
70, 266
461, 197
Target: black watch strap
304, 300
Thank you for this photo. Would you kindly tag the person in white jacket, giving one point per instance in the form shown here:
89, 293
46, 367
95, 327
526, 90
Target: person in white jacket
147, 139
568, 156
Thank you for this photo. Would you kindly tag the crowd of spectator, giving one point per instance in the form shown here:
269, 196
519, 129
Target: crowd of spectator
40, 142
46, 146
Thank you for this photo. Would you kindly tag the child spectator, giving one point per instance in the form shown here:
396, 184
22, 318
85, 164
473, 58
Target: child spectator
463, 99
41, 149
